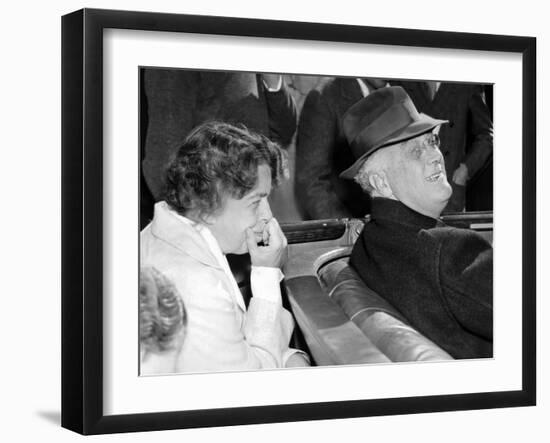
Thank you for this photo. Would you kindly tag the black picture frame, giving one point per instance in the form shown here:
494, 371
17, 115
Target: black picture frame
82, 218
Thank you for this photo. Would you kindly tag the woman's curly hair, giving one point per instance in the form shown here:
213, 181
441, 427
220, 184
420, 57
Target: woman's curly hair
217, 160
161, 312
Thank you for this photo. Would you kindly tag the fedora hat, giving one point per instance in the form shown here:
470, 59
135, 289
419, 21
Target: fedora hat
385, 117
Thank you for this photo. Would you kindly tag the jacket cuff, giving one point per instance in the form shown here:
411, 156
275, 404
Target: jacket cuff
275, 89
290, 352
264, 282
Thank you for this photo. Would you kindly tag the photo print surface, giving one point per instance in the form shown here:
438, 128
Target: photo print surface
293, 221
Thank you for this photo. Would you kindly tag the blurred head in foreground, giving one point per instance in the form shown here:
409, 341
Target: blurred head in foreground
162, 321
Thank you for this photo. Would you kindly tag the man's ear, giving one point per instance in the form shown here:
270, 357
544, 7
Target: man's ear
379, 181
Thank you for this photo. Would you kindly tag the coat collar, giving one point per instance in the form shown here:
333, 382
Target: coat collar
397, 212
350, 89
170, 227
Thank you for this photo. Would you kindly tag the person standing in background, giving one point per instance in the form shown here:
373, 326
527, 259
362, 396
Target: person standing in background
322, 151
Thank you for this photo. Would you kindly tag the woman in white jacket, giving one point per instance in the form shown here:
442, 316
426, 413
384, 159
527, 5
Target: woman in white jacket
216, 204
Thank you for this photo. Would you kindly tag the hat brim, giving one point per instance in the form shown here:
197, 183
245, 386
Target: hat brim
419, 127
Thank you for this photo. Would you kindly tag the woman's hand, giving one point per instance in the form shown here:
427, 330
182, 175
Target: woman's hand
274, 251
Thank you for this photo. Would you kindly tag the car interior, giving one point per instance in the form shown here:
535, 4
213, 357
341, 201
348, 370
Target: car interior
339, 319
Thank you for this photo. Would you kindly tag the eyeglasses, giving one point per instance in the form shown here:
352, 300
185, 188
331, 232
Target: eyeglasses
419, 145
432, 140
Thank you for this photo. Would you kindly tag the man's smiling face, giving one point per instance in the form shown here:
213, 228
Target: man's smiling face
417, 175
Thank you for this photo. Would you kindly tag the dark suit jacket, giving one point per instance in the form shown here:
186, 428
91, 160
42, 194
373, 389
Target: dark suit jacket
322, 153
440, 278
178, 100
467, 138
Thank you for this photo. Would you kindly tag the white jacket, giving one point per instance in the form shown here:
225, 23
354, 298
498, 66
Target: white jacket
221, 334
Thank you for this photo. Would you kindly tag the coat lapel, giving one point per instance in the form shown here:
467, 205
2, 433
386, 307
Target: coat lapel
350, 90
167, 226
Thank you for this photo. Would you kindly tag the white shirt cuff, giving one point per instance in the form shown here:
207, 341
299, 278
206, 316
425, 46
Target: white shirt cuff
265, 281
277, 88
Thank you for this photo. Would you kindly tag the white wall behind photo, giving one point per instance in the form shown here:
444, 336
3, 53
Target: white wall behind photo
30, 109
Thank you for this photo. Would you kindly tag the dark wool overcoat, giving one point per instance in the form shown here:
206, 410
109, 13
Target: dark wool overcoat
440, 278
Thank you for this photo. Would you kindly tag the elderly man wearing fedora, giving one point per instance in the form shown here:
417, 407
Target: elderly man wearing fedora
440, 278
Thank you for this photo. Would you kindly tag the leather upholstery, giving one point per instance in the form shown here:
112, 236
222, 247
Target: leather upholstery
330, 335
382, 324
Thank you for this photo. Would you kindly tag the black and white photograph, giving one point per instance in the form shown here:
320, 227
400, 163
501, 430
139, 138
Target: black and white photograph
290, 221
